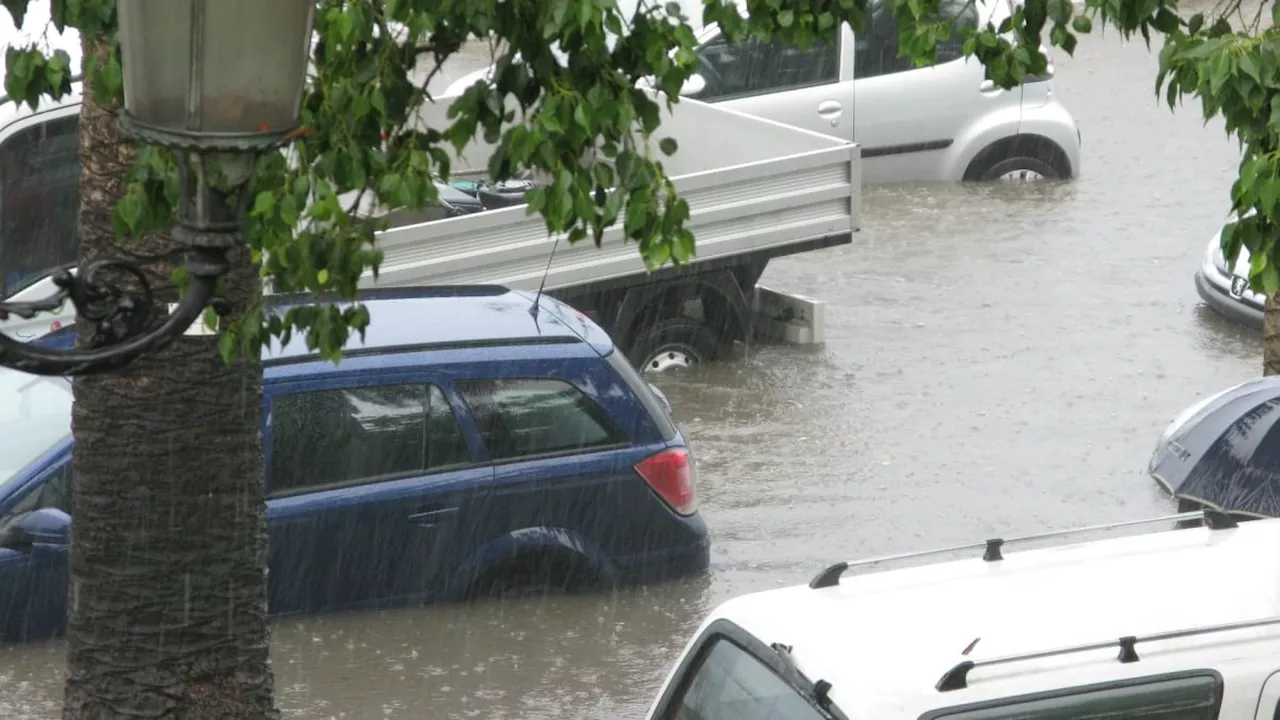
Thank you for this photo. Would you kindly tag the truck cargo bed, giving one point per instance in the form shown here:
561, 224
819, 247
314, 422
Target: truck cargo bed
752, 185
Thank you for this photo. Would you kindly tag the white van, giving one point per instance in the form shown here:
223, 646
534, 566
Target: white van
1182, 624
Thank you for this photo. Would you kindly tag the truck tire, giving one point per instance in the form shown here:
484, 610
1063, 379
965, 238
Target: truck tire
673, 343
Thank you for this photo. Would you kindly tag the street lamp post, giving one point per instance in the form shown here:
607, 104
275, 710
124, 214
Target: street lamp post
217, 82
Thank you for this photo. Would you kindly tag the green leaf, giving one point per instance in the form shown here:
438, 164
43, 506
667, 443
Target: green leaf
389, 185
1269, 278
227, 347
263, 203
668, 146
1060, 11
1220, 67
682, 248
1250, 65
129, 210
657, 256
109, 81
18, 9
548, 119
210, 318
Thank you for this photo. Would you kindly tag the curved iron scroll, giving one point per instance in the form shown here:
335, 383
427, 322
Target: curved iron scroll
120, 316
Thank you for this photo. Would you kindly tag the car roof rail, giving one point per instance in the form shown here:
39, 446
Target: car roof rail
991, 549
957, 678
405, 292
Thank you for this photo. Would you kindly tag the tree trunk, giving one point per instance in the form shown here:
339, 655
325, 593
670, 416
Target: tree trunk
1271, 337
167, 615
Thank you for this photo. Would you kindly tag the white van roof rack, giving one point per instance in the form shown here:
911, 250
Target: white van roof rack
957, 678
991, 549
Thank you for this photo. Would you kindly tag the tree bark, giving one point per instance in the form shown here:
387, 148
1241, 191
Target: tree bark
167, 602
1271, 337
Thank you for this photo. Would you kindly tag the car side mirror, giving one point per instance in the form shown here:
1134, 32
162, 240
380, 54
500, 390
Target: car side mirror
46, 526
694, 85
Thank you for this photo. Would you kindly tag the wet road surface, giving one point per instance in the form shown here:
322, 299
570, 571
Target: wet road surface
999, 360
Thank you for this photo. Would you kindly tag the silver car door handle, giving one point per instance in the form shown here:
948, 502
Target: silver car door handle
830, 110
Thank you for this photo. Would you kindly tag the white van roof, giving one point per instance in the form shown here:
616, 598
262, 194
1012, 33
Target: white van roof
884, 640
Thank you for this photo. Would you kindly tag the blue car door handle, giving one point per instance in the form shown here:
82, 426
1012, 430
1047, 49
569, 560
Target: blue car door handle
429, 518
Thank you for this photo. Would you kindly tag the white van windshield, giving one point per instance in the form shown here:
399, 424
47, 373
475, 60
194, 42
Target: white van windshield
39, 165
35, 415
39, 194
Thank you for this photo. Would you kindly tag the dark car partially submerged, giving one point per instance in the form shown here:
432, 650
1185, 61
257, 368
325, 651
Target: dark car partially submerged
470, 446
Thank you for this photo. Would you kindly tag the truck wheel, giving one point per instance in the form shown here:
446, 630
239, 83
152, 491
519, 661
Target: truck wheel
671, 344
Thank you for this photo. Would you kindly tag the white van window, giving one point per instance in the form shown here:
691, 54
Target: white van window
39, 200
731, 684
1189, 697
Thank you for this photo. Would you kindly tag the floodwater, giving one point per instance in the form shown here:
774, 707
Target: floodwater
999, 360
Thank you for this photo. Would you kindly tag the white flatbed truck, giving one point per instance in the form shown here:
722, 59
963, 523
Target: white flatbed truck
757, 190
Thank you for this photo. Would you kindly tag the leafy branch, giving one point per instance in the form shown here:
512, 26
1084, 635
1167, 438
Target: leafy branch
581, 118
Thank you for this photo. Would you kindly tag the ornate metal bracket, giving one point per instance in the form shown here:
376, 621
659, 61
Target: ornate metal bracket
120, 315
214, 170
113, 295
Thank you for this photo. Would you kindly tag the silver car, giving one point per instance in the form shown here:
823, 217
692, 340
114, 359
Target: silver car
944, 122
1226, 290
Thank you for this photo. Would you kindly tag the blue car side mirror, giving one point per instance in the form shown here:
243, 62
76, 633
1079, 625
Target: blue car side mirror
46, 526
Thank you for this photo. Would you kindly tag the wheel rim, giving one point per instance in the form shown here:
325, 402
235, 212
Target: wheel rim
1021, 175
670, 359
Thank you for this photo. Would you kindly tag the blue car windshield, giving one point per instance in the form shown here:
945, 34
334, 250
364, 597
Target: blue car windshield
35, 415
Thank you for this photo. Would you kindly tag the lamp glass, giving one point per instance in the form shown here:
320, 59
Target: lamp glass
249, 59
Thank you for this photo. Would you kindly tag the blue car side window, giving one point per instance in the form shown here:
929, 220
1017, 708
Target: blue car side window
330, 438
525, 417
54, 492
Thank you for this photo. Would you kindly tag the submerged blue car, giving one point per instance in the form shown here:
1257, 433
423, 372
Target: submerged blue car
468, 446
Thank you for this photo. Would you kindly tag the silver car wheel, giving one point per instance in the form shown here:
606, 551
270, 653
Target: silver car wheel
1022, 175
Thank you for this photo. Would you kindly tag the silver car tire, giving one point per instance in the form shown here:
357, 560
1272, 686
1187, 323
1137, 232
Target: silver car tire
1019, 169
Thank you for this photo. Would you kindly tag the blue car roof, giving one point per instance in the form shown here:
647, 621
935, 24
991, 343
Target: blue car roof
439, 317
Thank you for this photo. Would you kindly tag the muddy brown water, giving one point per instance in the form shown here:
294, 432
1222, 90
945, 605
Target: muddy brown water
998, 360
